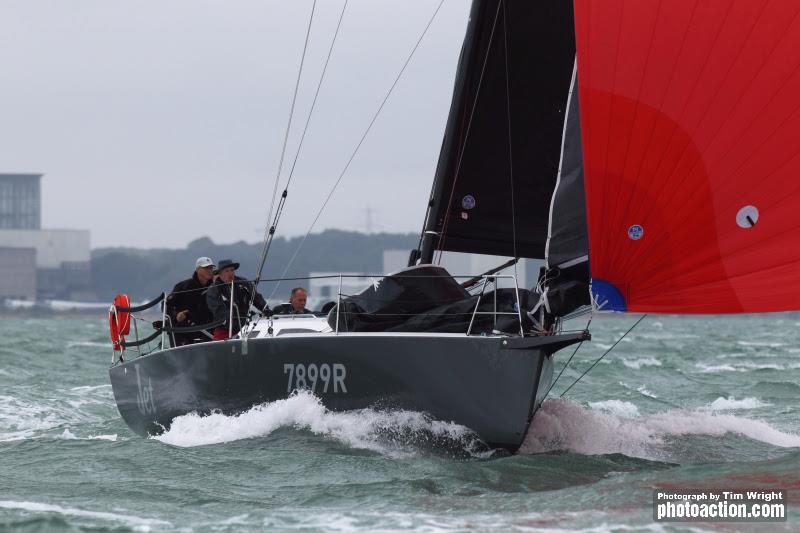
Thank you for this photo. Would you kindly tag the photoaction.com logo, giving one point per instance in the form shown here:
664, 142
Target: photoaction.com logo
719, 505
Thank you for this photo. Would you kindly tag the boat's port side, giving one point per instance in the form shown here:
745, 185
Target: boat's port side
479, 382
416, 340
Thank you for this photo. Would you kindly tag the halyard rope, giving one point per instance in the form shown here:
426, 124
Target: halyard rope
358, 146
270, 235
268, 230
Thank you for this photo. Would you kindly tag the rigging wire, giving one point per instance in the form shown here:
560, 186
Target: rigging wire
316, 94
466, 136
568, 361
358, 146
601, 357
510, 147
271, 231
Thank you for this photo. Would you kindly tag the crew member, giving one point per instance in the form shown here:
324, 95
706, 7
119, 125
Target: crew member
186, 304
296, 305
219, 299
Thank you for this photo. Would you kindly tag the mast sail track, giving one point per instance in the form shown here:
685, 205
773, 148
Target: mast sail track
509, 103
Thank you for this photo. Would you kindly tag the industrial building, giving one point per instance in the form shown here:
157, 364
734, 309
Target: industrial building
17, 273
36, 263
20, 201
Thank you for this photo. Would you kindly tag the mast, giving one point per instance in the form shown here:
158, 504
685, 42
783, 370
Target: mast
450, 143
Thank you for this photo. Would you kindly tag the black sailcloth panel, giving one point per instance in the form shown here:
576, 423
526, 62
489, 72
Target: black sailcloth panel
568, 234
568, 272
508, 107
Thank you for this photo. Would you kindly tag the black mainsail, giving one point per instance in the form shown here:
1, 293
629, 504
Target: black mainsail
505, 126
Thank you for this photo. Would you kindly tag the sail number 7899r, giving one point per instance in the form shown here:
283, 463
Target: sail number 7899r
329, 377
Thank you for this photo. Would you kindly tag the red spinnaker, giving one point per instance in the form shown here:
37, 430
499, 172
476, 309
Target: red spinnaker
690, 116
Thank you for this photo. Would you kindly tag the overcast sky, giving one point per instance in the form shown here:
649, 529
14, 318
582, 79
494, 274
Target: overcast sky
157, 122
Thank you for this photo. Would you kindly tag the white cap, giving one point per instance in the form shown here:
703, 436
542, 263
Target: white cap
203, 262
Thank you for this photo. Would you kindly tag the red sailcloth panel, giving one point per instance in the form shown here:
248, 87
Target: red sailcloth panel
690, 118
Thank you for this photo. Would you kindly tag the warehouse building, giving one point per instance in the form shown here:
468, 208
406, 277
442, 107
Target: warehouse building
38, 263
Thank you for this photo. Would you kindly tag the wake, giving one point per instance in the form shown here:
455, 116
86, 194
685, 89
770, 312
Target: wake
393, 432
616, 427
607, 427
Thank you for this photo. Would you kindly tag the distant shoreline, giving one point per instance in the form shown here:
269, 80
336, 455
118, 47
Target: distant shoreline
100, 314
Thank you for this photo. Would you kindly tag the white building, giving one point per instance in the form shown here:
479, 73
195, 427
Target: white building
53, 246
37, 263
323, 287
17, 273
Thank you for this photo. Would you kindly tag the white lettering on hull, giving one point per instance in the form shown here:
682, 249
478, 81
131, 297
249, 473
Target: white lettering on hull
144, 399
322, 378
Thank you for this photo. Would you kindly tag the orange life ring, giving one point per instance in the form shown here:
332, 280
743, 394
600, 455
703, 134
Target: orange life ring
119, 322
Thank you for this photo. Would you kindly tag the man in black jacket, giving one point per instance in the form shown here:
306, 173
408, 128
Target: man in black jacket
218, 299
296, 305
186, 305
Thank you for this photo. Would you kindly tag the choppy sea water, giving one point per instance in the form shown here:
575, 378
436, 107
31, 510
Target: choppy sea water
682, 402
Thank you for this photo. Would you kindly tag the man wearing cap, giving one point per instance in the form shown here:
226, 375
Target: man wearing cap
219, 298
186, 304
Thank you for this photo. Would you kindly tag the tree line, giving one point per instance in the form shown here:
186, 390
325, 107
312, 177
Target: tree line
144, 273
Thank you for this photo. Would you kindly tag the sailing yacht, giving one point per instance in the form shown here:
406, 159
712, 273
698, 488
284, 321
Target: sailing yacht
646, 151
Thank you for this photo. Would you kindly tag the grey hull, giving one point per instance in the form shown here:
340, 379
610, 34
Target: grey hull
491, 385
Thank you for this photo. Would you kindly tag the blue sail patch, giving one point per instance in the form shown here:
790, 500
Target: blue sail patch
607, 296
